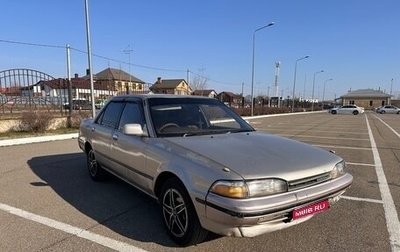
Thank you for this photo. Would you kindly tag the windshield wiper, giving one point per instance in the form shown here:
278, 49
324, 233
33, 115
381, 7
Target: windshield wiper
238, 130
212, 132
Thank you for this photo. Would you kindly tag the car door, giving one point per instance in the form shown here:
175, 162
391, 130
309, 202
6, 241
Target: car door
344, 109
103, 130
390, 109
130, 151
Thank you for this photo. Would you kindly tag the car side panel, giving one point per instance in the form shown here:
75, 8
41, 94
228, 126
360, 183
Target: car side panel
101, 141
129, 154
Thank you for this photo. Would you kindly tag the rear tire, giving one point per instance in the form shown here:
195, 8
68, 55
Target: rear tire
333, 112
179, 215
96, 172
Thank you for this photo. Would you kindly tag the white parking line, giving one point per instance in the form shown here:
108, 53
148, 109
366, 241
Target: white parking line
360, 164
362, 199
325, 137
297, 129
392, 219
341, 147
395, 132
82, 233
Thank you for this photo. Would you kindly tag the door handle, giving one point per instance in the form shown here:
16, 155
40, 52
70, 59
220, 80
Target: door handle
115, 137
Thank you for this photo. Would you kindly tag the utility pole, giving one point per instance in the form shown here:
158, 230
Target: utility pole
242, 95
276, 93
128, 51
391, 87
188, 76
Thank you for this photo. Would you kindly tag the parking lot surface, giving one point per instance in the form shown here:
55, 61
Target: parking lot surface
49, 203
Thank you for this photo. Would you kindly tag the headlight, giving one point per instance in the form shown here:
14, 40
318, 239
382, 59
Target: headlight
230, 189
338, 170
258, 188
249, 189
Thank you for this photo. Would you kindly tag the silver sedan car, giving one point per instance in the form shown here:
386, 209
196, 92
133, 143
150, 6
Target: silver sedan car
390, 109
208, 168
347, 109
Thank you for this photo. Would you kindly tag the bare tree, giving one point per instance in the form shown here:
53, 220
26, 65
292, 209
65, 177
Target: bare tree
199, 82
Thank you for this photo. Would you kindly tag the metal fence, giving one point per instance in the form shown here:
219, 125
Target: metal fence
13, 96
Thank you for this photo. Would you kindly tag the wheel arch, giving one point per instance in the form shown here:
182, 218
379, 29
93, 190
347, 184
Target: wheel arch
88, 146
161, 180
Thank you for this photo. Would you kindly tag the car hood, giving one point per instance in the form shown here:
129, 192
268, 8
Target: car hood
258, 155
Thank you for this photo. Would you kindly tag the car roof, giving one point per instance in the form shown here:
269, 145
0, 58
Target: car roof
166, 96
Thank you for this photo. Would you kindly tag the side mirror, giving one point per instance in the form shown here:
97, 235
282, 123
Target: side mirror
133, 129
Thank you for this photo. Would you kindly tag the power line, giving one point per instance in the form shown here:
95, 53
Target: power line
30, 44
216, 81
119, 61
115, 60
82, 51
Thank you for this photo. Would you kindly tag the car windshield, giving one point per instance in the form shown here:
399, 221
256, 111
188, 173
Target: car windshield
194, 116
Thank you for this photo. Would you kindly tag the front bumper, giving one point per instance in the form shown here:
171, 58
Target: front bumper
252, 217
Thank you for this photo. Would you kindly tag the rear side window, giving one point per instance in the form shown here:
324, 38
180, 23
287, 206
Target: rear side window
111, 115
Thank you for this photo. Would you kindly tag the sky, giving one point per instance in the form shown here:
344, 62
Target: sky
355, 42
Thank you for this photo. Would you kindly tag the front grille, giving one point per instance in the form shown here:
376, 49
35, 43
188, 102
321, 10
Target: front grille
307, 182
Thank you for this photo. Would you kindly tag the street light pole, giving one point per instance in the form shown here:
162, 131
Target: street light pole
313, 85
323, 92
252, 66
294, 82
89, 48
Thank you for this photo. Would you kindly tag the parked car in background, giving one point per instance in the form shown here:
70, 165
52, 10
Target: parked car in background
347, 109
79, 104
375, 109
208, 168
100, 103
390, 109
328, 106
332, 107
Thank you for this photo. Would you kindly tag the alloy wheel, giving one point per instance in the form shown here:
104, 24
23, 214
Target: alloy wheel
175, 212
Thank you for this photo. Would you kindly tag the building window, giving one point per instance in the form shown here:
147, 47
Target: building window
370, 103
351, 102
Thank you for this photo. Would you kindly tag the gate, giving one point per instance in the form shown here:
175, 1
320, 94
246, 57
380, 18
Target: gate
18, 88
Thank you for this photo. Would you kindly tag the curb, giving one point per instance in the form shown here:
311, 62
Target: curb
39, 139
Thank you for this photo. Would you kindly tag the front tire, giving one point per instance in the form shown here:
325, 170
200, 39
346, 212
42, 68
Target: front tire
178, 214
333, 112
355, 112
